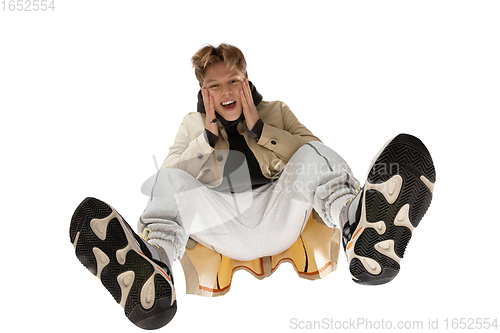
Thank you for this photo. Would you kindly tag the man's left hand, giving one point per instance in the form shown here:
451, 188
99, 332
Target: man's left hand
249, 109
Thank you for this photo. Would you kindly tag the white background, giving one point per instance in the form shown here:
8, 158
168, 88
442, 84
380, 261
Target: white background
91, 91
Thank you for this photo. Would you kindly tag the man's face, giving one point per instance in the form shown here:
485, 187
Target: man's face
224, 85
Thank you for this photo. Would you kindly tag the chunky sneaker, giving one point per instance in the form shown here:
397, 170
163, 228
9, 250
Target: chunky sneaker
378, 223
131, 269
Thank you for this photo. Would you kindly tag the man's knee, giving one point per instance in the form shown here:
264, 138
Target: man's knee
170, 181
308, 159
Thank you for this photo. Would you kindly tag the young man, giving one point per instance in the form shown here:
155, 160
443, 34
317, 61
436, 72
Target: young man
241, 178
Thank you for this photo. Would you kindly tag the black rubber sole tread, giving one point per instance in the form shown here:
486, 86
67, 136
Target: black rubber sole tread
408, 157
88, 209
357, 269
403, 150
161, 311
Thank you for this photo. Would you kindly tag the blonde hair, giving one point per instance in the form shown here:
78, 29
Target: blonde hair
209, 55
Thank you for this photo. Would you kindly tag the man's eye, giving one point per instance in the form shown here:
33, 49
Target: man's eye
235, 81
213, 86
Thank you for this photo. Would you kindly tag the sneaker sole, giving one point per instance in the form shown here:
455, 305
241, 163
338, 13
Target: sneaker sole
105, 245
397, 194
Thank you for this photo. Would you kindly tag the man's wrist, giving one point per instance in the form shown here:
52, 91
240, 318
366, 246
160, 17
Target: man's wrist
211, 138
256, 131
257, 128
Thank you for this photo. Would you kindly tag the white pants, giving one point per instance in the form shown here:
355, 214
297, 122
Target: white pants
254, 223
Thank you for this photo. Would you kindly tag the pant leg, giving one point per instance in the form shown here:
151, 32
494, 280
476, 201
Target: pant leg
172, 211
321, 177
315, 177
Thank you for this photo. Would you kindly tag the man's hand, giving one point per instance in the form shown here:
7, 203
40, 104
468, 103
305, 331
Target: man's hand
208, 101
249, 109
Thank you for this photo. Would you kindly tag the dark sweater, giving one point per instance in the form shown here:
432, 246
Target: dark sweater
236, 177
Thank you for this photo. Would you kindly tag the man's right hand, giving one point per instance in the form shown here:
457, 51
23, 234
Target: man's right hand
208, 101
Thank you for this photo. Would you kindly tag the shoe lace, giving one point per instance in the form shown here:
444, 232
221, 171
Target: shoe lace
145, 236
351, 199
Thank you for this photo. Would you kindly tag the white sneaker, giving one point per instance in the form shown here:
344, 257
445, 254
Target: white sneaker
378, 223
132, 270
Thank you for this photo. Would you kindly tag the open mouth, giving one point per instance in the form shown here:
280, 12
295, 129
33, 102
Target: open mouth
228, 105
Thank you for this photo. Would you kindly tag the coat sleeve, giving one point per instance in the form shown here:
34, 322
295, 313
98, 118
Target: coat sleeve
188, 153
285, 142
